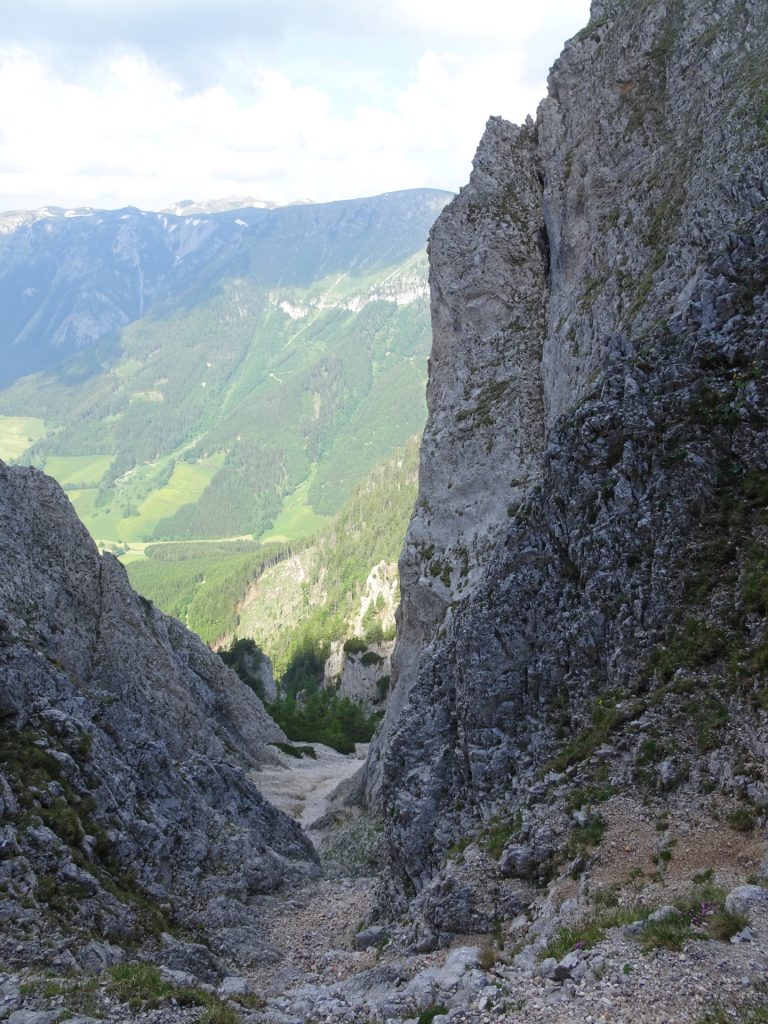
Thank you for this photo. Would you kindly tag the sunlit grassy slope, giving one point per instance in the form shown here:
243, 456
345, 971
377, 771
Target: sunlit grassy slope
249, 413
17, 434
287, 596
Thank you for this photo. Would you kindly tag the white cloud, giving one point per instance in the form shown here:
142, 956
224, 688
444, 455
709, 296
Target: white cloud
125, 130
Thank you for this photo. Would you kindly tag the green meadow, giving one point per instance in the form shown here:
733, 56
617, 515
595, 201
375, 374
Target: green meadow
17, 433
297, 519
77, 471
127, 519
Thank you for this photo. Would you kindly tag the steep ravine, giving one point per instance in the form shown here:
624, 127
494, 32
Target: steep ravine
567, 799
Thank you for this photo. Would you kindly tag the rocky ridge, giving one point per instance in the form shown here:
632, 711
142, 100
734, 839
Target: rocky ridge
581, 578
126, 805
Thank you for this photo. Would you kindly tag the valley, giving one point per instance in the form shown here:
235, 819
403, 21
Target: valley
240, 409
258, 393
512, 767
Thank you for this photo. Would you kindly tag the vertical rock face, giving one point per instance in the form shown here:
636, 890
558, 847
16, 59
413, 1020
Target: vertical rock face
361, 675
125, 747
488, 273
596, 417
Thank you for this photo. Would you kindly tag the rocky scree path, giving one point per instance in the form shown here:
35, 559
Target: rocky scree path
319, 963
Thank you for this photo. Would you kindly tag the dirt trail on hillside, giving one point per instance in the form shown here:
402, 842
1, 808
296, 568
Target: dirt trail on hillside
313, 928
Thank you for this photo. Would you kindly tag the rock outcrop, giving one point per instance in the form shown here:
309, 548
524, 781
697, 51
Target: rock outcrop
125, 750
361, 674
585, 560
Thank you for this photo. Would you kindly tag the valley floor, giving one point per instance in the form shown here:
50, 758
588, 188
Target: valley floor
302, 787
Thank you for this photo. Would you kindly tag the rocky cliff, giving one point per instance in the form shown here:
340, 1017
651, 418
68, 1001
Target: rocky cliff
583, 580
125, 751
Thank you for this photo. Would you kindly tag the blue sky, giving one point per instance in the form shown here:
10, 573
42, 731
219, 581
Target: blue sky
144, 102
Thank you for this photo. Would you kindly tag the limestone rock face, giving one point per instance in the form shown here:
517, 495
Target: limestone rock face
597, 421
488, 272
363, 676
125, 744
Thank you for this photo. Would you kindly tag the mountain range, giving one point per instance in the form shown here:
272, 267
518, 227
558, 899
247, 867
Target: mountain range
192, 376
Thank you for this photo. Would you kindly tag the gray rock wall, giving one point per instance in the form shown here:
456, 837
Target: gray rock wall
596, 398
363, 676
126, 744
488, 271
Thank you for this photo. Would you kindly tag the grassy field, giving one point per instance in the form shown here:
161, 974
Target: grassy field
187, 483
297, 519
109, 524
77, 470
17, 433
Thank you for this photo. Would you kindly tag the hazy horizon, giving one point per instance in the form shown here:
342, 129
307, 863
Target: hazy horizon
112, 104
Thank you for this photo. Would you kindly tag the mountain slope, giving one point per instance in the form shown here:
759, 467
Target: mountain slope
600, 473
70, 278
124, 755
294, 598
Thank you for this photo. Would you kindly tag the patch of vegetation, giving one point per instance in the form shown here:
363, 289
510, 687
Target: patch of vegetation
489, 954
32, 767
742, 819
323, 717
140, 985
17, 434
584, 836
428, 1015
724, 924
220, 1013
593, 793
78, 994
581, 936
497, 832
695, 645
245, 658
456, 852
700, 915
664, 855
249, 1000
370, 529
295, 751
671, 932
606, 716
355, 645
592, 289
591, 28
590, 931
483, 412
204, 589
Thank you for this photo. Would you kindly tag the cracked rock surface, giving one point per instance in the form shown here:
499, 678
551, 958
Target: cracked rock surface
125, 801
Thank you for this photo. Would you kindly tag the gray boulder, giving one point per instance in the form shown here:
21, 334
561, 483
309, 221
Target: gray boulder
746, 898
373, 936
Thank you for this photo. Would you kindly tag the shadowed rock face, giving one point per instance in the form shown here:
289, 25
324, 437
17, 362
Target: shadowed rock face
125, 745
596, 405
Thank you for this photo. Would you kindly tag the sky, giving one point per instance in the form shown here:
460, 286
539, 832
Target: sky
110, 103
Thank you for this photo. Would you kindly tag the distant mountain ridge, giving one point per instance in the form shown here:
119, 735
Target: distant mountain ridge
69, 278
187, 206
210, 375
